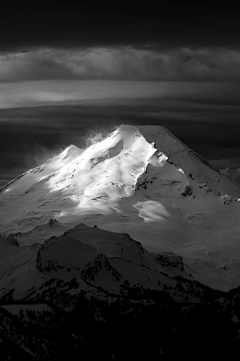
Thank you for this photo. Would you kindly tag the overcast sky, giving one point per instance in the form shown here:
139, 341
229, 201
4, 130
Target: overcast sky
67, 71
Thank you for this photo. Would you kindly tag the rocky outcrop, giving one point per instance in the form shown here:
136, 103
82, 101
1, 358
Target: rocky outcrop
169, 259
98, 267
8, 241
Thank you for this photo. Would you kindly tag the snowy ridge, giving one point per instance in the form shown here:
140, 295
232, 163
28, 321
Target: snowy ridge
94, 257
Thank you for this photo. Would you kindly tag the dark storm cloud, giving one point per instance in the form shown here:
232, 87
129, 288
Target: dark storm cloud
70, 24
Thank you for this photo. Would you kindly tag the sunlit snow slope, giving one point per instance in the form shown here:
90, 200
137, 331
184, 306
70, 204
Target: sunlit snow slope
139, 180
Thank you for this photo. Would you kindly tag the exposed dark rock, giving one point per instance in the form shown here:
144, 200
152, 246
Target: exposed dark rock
169, 259
188, 191
99, 265
51, 222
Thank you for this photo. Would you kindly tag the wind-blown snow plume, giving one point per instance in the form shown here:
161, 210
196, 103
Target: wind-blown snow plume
94, 136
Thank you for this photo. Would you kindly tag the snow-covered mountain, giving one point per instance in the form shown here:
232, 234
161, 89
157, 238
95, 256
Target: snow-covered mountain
142, 181
137, 232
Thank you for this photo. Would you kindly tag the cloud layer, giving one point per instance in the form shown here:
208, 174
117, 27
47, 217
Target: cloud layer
122, 63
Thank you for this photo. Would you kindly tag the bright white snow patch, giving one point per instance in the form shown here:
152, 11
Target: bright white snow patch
151, 211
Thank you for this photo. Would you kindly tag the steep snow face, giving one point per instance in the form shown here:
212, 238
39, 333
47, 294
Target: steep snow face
105, 169
69, 185
194, 166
